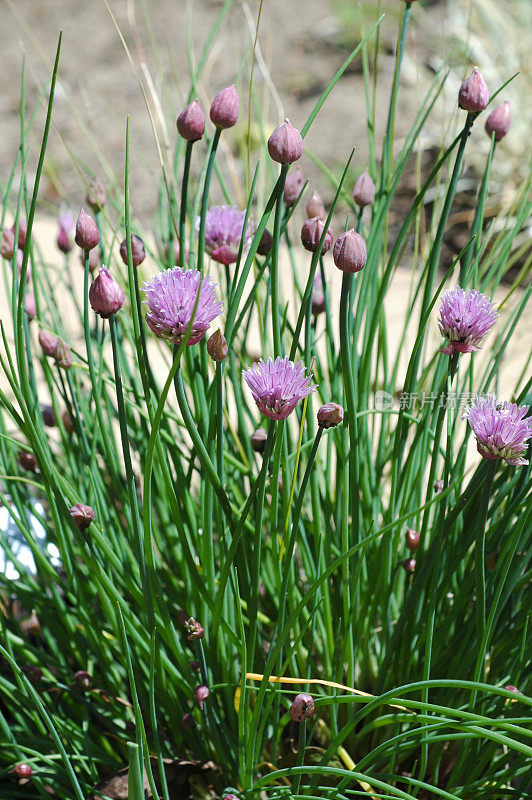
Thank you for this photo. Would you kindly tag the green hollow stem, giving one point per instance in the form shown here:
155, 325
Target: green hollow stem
476, 227
274, 266
130, 477
183, 206
480, 556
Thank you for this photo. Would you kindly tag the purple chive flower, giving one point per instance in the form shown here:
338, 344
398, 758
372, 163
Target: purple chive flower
171, 297
278, 386
223, 232
466, 317
501, 429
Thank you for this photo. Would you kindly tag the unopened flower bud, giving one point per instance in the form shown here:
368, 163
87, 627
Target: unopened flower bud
350, 252
105, 295
311, 233
7, 245
27, 461
217, 346
474, 94
63, 355
48, 342
438, 486
191, 122
230, 797
194, 630
96, 197
285, 145
330, 415
318, 296
48, 416
265, 244
195, 666
138, 254
32, 673
201, 693
188, 722
87, 233
32, 626
293, 185
94, 259
67, 421
498, 122
315, 207
22, 231
82, 515
225, 107
510, 688
30, 305
409, 565
258, 440
63, 237
302, 708
83, 679
412, 539
364, 190
23, 771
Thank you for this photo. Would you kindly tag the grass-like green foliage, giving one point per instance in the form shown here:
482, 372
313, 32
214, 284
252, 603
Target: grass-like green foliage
297, 578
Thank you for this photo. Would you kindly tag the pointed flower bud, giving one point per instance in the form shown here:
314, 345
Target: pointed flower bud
225, 107
315, 207
48, 342
195, 666
32, 673
48, 416
217, 346
7, 245
318, 295
105, 295
258, 440
66, 224
82, 515
191, 122
94, 259
201, 693
330, 415
96, 197
302, 708
63, 355
409, 565
498, 122
138, 254
67, 421
87, 233
510, 688
30, 306
22, 231
438, 486
474, 94
350, 252
293, 185
27, 461
364, 190
285, 145
265, 244
311, 233
412, 539
23, 771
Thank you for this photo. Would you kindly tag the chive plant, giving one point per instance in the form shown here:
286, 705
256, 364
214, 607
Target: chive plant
265, 562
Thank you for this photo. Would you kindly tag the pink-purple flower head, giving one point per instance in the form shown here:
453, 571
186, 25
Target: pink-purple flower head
224, 228
466, 317
171, 297
278, 386
501, 429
